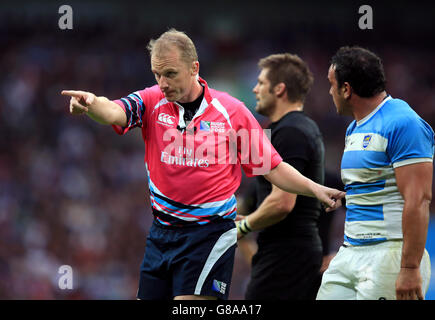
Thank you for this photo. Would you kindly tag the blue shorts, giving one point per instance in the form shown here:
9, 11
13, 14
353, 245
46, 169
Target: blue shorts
193, 260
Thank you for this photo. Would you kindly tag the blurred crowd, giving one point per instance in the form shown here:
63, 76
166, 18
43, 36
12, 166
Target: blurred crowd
73, 192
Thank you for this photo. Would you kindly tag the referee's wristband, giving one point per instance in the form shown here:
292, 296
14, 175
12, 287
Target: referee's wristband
244, 227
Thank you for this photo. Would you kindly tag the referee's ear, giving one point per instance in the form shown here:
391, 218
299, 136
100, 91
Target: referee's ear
195, 68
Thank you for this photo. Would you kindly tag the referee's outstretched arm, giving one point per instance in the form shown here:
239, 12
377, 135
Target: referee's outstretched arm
287, 178
99, 109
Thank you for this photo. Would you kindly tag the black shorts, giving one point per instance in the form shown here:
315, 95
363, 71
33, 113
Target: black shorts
285, 273
194, 260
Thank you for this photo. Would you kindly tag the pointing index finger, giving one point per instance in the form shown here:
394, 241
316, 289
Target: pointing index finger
72, 93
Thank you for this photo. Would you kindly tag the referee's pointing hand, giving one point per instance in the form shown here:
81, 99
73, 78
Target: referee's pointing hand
80, 101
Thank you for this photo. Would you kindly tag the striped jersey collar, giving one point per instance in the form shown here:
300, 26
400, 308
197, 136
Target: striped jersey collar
371, 114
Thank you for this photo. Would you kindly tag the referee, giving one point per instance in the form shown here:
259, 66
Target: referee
286, 265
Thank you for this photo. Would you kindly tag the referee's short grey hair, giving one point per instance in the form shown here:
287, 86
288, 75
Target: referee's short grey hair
172, 38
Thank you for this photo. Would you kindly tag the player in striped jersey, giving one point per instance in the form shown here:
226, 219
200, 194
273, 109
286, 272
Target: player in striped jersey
387, 172
193, 159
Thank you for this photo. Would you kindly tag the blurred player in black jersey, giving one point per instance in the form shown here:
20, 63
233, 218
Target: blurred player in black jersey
287, 263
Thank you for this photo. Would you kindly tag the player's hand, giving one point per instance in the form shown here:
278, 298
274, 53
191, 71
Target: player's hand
326, 260
243, 227
80, 101
240, 235
331, 198
408, 284
240, 217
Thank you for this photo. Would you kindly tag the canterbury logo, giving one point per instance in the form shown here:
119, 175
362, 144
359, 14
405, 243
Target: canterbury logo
166, 119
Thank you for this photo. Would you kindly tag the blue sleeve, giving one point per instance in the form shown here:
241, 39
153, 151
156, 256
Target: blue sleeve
410, 137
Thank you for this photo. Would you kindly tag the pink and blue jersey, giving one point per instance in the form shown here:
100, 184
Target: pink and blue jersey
194, 168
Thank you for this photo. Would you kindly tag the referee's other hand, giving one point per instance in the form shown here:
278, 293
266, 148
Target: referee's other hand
330, 198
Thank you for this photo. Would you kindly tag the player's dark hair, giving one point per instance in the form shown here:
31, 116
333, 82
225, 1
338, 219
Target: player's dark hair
290, 70
361, 68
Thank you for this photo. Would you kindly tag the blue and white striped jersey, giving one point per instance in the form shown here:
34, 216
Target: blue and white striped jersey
393, 135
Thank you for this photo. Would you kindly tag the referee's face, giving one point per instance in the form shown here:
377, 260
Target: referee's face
174, 76
266, 99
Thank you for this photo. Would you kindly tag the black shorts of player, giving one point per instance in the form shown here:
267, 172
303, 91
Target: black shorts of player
285, 273
189, 260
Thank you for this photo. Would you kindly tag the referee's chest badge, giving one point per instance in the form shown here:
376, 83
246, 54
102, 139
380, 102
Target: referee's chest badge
204, 125
366, 140
212, 126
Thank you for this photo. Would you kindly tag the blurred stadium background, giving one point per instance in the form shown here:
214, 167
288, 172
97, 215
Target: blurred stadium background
74, 193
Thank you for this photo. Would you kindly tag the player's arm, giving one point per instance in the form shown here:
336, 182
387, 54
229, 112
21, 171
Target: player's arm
415, 184
290, 180
275, 207
99, 109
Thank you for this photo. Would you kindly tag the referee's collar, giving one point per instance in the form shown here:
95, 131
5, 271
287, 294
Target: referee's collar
207, 95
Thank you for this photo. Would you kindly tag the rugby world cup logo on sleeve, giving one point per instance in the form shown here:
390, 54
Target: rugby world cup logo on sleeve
366, 140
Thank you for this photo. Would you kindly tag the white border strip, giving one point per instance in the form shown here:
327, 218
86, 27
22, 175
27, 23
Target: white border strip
225, 241
410, 161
